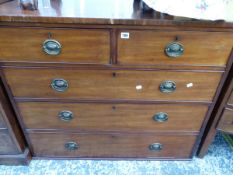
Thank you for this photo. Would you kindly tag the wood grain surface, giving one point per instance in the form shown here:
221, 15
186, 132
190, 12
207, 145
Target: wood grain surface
200, 48
117, 84
77, 46
112, 117
111, 145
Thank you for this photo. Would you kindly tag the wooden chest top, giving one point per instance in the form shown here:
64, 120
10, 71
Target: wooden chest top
107, 12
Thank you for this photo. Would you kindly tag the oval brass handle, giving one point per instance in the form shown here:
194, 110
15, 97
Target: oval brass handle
59, 85
174, 49
66, 115
52, 47
71, 146
167, 86
155, 147
160, 117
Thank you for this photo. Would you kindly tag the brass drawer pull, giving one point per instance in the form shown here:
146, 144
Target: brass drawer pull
71, 146
155, 147
174, 49
52, 47
66, 115
160, 117
59, 85
167, 86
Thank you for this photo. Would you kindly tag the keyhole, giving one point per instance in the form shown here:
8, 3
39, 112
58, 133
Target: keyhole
49, 35
114, 74
177, 38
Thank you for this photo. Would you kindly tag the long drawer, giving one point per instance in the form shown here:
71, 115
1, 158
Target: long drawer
112, 117
226, 122
55, 45
113, 84
137, 47
111, 145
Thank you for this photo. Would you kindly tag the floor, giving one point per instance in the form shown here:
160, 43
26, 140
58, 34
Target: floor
218, 161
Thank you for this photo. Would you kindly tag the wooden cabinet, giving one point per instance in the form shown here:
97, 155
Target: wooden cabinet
13, 149
111, 85
222, 115
226, 121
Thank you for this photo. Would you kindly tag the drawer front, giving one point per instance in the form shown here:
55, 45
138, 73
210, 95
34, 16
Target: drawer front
107, 84
230, 100
6, 143
196, 48
2, 122
226, 121
111, 145
112, 117
77, 46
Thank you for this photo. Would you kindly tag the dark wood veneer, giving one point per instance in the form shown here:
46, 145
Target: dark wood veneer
88, 84
200, 48
80, 46
111, 145
112, 117
115, 67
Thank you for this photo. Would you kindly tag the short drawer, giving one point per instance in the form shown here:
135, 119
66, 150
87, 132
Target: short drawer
112, 117
111, 145
226, 122
6, 143
113, 84
89, 46
147, 47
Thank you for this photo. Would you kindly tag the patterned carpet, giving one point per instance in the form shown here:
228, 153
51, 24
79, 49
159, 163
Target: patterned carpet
218, 161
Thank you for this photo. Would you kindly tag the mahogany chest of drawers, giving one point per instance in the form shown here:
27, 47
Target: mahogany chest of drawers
108, 88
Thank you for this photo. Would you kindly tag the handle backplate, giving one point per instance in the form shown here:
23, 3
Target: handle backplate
167, 86
52, 47
155, 147
174, 50
59, 84
160, 117
71, 146
66, 115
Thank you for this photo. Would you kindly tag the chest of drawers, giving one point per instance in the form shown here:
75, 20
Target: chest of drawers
94, 88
